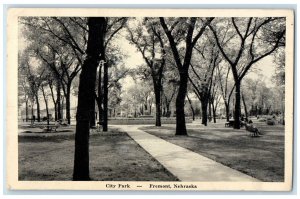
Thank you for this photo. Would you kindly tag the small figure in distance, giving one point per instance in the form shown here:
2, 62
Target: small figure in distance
254, 132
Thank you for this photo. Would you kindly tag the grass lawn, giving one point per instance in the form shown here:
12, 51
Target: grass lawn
114, 156
261, 157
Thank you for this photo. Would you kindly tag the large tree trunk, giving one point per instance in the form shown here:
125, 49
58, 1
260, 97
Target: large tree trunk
100, 96
214, 109
158, 114
53, 100
55, 111
237, 111
93, 116
100, 111
54, 104
46, 104
38, 107
192, 108
98, 99
150, 108
26, 110
180, 116
168, 113
58, 96
86, 96
146, 106
105, 96
157, 90
245, 107
204, 104
164, 111
209, 111
68, 111
62, 106
227, 111
142, 109
32, 114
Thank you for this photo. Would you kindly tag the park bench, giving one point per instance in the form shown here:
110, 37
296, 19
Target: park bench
229, 123
48, 127
254, 132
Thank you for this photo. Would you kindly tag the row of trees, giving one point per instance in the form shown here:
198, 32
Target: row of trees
57, 46
257, 98
207, 57
57, 50
204, 51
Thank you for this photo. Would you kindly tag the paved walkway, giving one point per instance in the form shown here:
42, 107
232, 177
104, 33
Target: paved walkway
183, 163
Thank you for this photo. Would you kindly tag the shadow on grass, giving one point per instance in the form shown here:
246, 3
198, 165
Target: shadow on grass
114, 156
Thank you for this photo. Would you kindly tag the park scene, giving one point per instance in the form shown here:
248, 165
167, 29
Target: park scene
151, 99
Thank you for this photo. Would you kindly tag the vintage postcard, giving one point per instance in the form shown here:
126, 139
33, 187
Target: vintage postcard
150, 99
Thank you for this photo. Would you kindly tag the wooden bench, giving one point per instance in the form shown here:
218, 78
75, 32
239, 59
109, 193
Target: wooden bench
49, 127
230, 123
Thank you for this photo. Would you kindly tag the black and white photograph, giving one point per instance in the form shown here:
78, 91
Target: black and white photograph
148, 99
